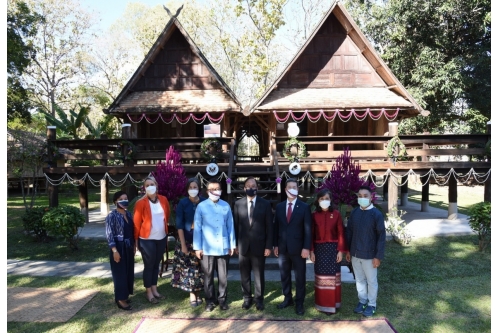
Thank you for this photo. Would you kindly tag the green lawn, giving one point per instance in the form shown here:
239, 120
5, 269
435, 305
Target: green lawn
434, 285
438, 196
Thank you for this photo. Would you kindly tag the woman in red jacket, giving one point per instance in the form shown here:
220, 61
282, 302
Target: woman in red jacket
151, 215
326, 253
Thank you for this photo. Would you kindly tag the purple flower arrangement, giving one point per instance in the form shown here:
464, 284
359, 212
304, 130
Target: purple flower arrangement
344, 181
171, 176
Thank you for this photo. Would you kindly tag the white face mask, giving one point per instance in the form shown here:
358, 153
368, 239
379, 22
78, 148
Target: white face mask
324, 204
292, 193
364, 202
151, 189
215, 195
193, 193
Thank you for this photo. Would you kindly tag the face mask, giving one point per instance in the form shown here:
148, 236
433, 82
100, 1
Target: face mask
123, 203
215, 195
292, 193
193, 193
251, 192
151, 189
324, 204
364, 202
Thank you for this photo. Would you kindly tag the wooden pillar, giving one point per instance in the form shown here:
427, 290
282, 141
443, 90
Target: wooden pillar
104, 182
424, 204
330, 133
84, 199
487, 183
392, 193
452, 198
386, 188
404, 191
272, 133
52, 190
128, 186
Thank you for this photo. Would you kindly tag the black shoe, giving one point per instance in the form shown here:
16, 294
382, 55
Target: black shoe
247, 304
126, 308
285, 303
210, 307
128, 301
299, 309
259, 306
223, 306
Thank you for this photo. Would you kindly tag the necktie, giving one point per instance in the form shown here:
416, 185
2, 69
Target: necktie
289, 212
250, 216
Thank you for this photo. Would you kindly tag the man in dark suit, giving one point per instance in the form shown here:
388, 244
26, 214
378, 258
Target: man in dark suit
292, 241
253, 223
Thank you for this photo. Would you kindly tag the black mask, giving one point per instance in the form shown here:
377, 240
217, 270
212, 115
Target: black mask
251, 192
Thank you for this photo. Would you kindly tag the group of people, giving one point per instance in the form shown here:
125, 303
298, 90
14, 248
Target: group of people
210, 232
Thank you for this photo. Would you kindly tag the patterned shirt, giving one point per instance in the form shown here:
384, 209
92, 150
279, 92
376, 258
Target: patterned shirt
115, 224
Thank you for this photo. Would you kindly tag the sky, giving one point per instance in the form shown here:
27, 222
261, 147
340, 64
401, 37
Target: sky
110, 10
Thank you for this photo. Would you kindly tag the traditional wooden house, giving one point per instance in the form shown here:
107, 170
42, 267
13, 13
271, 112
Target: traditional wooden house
337, 89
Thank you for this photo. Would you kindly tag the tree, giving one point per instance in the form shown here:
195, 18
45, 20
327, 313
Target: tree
26, 154
21, 24
68, 126
258, 49
61, 43
439, 50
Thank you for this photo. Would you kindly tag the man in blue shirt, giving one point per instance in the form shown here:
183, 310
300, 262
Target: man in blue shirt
365, 237
214, 242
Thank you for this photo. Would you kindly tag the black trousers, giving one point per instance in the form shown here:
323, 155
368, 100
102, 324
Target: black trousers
152, 251
286, 262
209, 264
123, 271
256, 264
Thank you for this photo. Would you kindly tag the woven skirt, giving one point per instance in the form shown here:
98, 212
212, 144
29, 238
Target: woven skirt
327, 284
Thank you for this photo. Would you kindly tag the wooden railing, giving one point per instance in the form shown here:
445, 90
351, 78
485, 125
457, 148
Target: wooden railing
424, 151
145, 151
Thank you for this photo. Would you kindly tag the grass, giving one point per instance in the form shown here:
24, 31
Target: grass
433, 285
438, 196
20, 246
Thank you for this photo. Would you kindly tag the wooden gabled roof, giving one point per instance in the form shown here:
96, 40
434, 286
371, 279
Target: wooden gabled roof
175, 76
337, 68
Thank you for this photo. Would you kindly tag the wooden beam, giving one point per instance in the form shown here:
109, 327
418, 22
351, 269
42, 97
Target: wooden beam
104, 197
392, 193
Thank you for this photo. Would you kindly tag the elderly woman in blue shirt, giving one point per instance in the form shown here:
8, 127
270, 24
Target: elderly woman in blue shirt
214, 242
186, 269
120, 236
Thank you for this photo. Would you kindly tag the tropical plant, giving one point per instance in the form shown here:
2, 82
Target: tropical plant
480, 222
68, 127
33, 224
64, 221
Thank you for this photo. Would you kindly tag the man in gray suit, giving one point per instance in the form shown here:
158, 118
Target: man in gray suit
253, 223
292, 241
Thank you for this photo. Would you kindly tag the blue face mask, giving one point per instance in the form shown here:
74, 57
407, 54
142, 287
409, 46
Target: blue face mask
123, 203
364, 202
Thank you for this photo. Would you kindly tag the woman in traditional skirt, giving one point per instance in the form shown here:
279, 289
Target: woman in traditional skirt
326, 253
120, 236
186, 269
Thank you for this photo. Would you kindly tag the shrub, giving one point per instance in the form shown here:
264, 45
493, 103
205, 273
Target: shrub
64, 221
480, 222
396, 226
32, 222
